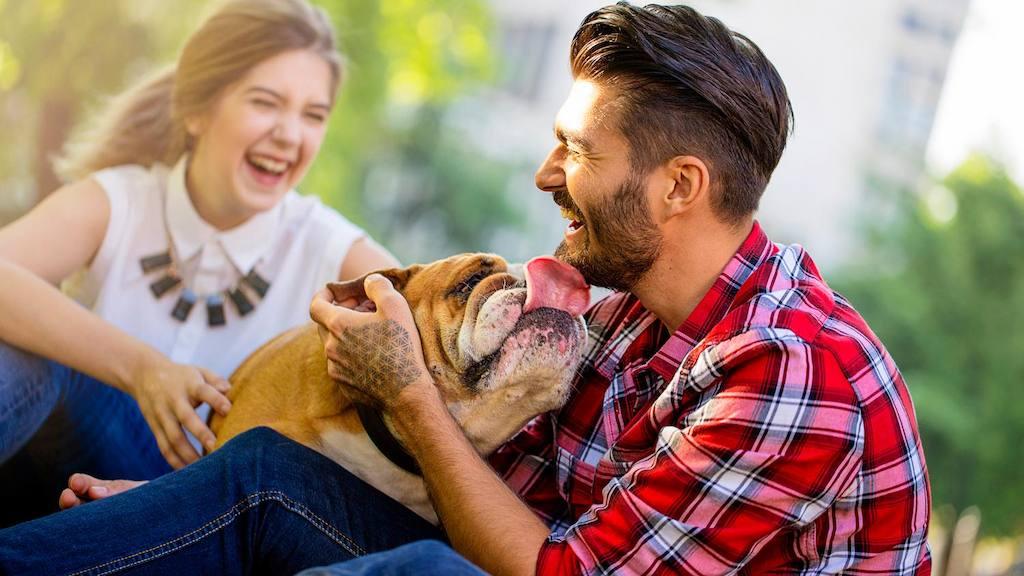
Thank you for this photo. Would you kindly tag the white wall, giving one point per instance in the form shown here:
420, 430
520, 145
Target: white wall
837, 60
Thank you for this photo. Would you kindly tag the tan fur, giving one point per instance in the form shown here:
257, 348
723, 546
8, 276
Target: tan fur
284, 384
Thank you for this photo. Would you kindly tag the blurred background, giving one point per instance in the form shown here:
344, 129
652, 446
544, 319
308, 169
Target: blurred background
902, 177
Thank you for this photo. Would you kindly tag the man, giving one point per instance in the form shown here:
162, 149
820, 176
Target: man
733, 413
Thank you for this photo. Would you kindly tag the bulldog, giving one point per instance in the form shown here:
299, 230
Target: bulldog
502, 344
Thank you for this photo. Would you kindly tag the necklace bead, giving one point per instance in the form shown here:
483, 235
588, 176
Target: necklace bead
215, 310
184, 305
242, 302
215, 314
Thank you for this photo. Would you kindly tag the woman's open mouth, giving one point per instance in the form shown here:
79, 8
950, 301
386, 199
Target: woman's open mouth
266, 170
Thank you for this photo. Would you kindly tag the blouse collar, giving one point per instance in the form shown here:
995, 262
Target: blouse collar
244, 244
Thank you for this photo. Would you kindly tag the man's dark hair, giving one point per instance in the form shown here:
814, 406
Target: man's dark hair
689, 85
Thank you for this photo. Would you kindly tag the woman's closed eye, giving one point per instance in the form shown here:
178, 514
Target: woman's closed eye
316, 117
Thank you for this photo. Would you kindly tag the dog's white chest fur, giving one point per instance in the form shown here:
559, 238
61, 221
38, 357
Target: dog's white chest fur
356, 453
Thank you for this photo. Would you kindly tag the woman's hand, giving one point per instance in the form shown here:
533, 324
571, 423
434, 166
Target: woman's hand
168, 394
376, 355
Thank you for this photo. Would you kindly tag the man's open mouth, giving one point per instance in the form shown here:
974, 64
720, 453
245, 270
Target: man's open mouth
575, 220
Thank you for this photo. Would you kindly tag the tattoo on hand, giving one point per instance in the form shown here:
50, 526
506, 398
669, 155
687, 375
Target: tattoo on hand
382, 360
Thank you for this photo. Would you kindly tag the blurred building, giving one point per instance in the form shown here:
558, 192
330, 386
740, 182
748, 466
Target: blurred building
864, 79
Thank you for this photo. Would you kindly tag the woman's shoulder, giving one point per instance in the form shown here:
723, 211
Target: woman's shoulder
133, 179
310, 211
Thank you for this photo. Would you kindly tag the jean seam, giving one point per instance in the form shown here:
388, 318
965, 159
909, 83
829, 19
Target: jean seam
222, 521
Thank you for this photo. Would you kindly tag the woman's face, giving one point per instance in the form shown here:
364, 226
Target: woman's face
260, 137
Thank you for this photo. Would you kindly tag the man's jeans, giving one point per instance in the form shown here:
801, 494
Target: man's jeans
262, 504
426, 558
55, 421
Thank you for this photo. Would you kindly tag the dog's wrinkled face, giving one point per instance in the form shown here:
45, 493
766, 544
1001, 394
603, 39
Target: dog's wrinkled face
502, 345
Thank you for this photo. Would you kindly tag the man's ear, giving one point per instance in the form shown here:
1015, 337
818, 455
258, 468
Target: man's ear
352, 293
688, 182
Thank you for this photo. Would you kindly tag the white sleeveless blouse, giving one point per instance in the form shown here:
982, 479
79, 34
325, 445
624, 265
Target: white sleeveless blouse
297, 246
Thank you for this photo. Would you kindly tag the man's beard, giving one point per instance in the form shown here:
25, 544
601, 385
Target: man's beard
620, 243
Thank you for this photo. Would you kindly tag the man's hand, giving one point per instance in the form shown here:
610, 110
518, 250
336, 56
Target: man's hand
376, 355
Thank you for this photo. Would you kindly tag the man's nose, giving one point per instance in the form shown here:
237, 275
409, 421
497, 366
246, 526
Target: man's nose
550, 176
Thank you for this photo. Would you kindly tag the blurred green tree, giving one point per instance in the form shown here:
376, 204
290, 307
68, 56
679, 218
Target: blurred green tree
407, 60
60, 57
404, 56
433, 195
945, 292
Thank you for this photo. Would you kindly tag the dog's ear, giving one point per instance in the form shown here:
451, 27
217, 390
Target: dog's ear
352, 293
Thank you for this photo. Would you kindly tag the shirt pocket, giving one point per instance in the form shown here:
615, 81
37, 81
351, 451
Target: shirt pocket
582, 484
575, 481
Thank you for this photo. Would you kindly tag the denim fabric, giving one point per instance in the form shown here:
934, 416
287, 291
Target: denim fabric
64, 422
27, 396
262, 504
426, 558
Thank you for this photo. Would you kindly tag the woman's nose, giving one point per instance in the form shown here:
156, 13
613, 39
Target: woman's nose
287, 130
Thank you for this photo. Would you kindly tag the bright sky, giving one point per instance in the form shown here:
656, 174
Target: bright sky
982, 105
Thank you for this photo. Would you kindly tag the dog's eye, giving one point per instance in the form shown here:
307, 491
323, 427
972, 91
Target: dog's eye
466, 286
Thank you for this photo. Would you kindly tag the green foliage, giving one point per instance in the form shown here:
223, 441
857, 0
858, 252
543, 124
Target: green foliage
401, 53
76, 53
406, 60
87, 48
945, 292
446, 198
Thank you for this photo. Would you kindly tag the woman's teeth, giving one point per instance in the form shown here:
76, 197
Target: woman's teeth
268, 164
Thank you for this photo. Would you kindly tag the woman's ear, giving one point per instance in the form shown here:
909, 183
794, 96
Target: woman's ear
195, 125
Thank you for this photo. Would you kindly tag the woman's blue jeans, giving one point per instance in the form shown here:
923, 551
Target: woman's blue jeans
55, 421
262, 504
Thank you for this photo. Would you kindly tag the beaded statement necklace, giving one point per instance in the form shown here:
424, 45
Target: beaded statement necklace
214, 302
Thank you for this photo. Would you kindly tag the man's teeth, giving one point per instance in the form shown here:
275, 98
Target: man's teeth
569, 215
269, 164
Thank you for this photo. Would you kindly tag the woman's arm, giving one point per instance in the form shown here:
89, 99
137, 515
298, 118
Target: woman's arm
55, 239
60, 236
365, 256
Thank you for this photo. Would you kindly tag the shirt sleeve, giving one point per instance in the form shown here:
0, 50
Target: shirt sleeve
126, 188
526, 463
776, 438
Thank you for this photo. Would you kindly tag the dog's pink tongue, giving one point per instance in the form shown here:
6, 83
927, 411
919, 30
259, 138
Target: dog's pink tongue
554, 284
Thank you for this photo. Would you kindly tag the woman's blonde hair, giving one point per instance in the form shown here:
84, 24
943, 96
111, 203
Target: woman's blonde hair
146, 124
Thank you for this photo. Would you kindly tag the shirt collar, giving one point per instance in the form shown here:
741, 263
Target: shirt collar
715, 304
645, 333
244, 244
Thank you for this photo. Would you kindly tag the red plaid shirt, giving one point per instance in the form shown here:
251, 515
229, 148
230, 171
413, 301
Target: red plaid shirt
770, 433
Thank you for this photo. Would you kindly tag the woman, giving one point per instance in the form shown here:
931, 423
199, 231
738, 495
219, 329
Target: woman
194, 245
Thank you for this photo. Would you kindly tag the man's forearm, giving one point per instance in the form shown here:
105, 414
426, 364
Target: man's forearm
485, 521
